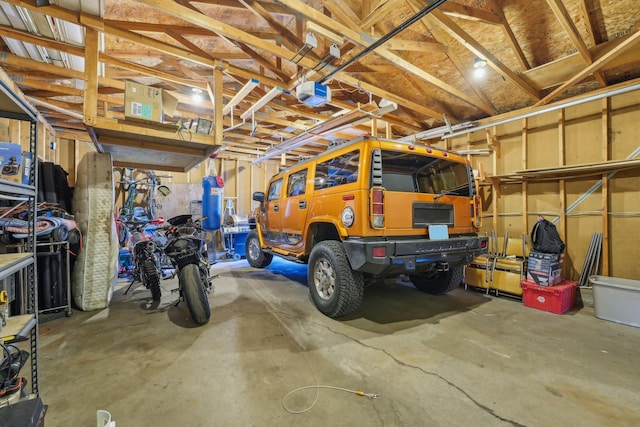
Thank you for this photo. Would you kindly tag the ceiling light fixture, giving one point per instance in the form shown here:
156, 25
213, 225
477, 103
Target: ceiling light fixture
479, 66
197, 95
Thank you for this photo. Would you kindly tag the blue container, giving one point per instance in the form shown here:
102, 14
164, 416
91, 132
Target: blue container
211, 203
240, 244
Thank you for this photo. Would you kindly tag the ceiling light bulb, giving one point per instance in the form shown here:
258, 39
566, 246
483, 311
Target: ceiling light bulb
197, 95
478, 73
479, 63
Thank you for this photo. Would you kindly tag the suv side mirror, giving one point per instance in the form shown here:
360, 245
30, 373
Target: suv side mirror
258, 196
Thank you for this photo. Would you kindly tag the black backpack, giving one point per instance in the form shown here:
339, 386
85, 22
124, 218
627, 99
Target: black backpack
545, 238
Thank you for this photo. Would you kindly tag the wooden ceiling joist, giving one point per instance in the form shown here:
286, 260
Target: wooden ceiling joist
567, 24
630, 42
467, 41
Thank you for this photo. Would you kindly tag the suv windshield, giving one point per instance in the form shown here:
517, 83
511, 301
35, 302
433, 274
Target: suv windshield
416, 173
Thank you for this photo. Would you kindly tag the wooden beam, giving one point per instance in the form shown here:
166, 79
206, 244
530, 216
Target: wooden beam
559, 71
290, 40
54, 107
152, 72
470, 43
186, 71
259, 59
187, 43
188, 15
560, 11
98, 24
606, 138
511, 38
418, 46
592, 13
24, 36
77, 51
217, 106
455, 59
271, 6
561, 162
90, 111
355, 37
381, 11
596, 65
470, 13
525, 185
342, 12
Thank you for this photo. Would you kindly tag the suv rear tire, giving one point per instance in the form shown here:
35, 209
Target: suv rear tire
336, 290
255, 255
440, 283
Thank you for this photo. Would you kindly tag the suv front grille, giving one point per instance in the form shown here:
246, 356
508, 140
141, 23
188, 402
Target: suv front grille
425, 214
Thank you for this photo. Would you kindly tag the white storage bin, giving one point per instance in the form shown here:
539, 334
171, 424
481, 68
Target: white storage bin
617, 300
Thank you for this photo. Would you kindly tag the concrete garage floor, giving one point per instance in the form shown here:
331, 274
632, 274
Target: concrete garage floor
464, 359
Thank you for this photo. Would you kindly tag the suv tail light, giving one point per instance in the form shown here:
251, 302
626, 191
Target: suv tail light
376, 208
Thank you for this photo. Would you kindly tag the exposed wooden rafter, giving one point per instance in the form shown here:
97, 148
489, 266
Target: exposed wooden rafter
565, 20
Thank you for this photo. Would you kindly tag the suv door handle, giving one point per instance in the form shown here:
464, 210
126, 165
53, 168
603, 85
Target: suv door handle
276, 208
302, 204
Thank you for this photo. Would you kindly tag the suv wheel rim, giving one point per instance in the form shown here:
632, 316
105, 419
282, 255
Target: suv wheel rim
254, 249
324, 279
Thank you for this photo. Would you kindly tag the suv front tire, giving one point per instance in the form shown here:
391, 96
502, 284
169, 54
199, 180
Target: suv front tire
255, 255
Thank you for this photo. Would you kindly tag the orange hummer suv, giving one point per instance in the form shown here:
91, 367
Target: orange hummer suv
369, 209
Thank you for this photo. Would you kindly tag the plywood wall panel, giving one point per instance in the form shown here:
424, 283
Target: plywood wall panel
243, 205
625, 127
509, 154
510, 210
583, 135
543, 198
624, 237
575, 189
5, 135
579, 231
542, 149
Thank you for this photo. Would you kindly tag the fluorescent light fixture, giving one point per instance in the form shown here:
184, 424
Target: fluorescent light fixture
242, 93
262, 102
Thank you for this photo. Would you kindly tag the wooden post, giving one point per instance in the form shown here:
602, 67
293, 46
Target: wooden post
525, 189
606, 124
90, 107
217, 106
561, 161
496, 183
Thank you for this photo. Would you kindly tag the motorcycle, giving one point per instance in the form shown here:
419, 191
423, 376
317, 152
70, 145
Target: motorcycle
145, 251
188, 254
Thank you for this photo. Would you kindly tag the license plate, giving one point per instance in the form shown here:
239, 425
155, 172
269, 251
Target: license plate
438, 232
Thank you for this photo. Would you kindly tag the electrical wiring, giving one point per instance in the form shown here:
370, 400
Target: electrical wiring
318, 387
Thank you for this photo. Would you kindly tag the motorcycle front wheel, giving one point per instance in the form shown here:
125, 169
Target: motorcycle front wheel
194, 294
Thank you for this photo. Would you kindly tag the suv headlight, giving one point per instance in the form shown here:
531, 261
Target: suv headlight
347, 217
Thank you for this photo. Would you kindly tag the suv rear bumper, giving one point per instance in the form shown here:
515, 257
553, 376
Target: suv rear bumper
411, 255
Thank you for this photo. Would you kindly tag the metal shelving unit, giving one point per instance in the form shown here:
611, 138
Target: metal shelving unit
22, 326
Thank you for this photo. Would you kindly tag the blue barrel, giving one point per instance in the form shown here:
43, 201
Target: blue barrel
211, 203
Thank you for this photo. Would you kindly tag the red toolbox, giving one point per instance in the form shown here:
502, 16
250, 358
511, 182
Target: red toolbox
555, 299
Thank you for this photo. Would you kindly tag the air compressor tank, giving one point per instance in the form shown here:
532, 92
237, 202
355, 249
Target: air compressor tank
212, 202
